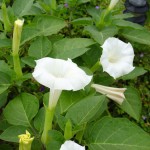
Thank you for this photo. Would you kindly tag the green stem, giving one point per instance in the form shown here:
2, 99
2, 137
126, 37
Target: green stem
101, 23
49, 115
95, 67
17, 66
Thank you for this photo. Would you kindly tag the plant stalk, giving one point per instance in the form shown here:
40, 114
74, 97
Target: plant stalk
49, 115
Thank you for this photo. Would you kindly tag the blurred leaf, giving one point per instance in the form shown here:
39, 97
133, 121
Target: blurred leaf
39, 120
3, 99
138, 71
33, 11
124, 23
4, 82
30, 61
11, 133
122, 16
40, 48
82, 1
132, 104
93, 55
22, 109
36, 144
5, 43
82, 21
4, 124
139, 36
42, 26
21, 7
5, 68
71, 48
101, 36
85, 110
95, 13
116, 134
56, 139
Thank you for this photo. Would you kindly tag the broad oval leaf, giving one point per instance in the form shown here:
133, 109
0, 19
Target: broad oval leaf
135, 73
140, 36
11, 133
101, 36
21, 7
126, 24
22, 109
42, 26
116, 134
71, 48
86, 109
40, 48
132, 103
68, 99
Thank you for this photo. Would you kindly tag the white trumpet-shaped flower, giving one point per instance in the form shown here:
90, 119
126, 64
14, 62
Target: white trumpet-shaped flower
58, 75
112, 4
116, 94
70, 145
117, 57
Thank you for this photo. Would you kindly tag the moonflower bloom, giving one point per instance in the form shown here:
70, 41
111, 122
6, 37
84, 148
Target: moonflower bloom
70, 145
112, 4
116, 94
59, 75
117, 57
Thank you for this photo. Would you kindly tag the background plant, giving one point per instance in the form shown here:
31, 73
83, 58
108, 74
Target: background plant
72, 32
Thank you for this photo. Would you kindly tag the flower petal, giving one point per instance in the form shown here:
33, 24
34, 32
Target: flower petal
60, 74
117, 57
71, 145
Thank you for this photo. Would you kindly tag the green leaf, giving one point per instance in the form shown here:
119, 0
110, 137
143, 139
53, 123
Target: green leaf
139, 36
71, 48
132, 104
42, 26
40, 48
11, 133
4, 82
21, 7
138, 71
34, 11
39, 120
30, 61
116, 134
82, 21
68, 99
124, 23
3, 99
85, 110
22, 109
4, 124
101, 36
5, 68
5, 43
55, 140
36, 145
82, 1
